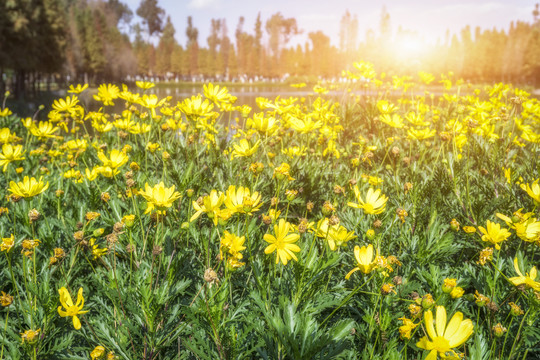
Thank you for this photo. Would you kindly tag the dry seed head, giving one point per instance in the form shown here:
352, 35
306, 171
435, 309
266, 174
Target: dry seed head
130, 248
493, 307
333, 220
78, 236
210, 276
118, 227
105, 197
33, 215
157, 250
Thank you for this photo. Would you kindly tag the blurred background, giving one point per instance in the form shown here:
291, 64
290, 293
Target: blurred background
47, 44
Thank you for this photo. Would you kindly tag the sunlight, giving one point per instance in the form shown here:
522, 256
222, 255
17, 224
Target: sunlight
409, 45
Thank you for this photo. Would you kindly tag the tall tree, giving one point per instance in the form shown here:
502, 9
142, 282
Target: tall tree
258, 45
152, 16
165, 48
279, 30
213, 43
192, 46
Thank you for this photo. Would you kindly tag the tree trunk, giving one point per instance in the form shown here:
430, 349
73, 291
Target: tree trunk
2, 83
19, 84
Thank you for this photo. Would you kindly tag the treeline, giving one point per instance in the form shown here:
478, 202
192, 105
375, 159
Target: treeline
44, 41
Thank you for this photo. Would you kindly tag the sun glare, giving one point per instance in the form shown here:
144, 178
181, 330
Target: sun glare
409, 46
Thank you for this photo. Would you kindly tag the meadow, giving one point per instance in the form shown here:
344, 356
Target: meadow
374, 226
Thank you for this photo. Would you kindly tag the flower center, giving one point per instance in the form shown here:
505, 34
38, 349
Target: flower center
441, 344
72, 310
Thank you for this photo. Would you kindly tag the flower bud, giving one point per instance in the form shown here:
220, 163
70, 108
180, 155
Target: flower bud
498, 330
98, 232
448, 285
427, 301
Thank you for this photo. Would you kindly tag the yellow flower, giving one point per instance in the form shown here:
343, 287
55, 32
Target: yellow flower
508, 175
44, 130
9, 154
96, 251
295, 151
218, 95
7, 243
29, 187
128, 220
78, 89
91, 175
264, 125
469, 229
233, 244
159, 196
151, 102
385, 107
457, 292
527, 280
485, 256
407, 327
299, 85
5, 112
210, 205
282, 171
115, 160
449, 285
70, 309
241, 200
494, 234
443, 338
107, 93
242, 148
65, 105
375, 203
196, 108
6, 136
532, 190
365, 261
282, 243
336, 235
145, 85
30, 336
421, 134
6, 299
526, 226
98, 351
305, 125
393, 120
76, 175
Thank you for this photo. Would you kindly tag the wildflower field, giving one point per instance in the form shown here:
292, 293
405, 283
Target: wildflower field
391, 223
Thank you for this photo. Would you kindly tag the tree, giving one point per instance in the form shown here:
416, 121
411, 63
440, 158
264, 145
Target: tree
224, 48
192, 46
152, 16
213, 43
279, 30
165, 48
258, 45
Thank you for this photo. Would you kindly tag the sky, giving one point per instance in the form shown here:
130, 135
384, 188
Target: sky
429, 18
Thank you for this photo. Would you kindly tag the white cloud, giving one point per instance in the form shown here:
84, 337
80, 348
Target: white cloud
204, 4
